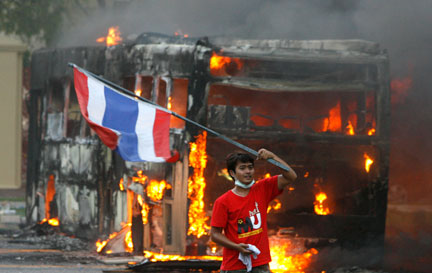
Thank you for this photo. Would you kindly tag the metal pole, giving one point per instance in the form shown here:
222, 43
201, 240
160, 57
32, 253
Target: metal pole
235, 143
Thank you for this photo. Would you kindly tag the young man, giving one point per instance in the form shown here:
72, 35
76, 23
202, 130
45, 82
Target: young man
241, 213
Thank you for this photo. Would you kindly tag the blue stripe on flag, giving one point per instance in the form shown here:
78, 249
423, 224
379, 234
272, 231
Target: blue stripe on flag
121, 114
127, 147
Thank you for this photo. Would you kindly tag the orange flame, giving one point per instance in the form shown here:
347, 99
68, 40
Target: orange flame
371, 132
196, 185
138, 92
319, 207
128, 240
368, 162
350, 129
277, 205
101, 244
113, 37
333, 123
49, 197
154, 257
218, 64
180, 33
169, 104
289, 263
52, 222
121, 186
156, 189
224, 173
145, 210
141, 177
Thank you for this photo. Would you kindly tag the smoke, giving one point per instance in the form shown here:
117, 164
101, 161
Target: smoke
402, 27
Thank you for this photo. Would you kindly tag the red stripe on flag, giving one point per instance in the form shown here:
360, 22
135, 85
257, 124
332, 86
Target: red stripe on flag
81, 89
108, 137
161, 134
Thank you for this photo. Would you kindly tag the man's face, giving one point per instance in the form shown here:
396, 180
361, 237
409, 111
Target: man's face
244, 172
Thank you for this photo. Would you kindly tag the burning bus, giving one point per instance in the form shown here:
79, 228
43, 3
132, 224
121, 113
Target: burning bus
323, 105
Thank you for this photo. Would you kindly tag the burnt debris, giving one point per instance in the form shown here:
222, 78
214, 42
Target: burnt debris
323, 105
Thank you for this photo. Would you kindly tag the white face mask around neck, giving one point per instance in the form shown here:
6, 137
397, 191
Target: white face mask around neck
244, 186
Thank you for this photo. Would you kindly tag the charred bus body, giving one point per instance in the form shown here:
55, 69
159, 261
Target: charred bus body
323, 106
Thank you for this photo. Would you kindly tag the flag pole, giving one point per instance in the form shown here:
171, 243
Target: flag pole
235, 143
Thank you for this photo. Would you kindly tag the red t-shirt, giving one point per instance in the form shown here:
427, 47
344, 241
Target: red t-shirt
244, 220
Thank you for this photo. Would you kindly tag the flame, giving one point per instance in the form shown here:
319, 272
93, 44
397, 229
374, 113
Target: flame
121, 186
138, 92
52, 222
138, 85
218, 64
180, 33
306, 174
169, 104
371, 132
289, 263
350, 129
319, 207
368, 162
141, 178
224, 173
49, 196
144, 211
154, 257
333, 123
156, 189
112, 38
277, 205
196, 184
101, 244
128, 242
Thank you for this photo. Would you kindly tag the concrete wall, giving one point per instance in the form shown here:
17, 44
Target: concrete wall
11, 52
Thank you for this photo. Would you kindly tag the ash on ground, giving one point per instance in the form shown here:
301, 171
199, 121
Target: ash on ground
45, 236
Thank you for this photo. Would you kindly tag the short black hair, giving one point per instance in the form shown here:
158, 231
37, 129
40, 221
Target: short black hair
237, 156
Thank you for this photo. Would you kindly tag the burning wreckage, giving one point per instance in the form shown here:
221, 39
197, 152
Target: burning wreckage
323, 105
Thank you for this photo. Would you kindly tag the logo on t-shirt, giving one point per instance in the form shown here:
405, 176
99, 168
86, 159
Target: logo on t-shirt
250, 225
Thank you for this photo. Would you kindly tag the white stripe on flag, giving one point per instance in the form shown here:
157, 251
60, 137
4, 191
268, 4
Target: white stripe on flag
96, 100
144, 131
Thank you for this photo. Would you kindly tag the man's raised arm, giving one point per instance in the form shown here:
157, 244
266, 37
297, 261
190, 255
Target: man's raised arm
287, 177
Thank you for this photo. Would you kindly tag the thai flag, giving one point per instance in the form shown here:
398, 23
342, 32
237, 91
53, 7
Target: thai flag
137, 130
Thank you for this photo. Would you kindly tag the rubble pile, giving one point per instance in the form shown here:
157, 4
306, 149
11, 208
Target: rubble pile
50, 237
